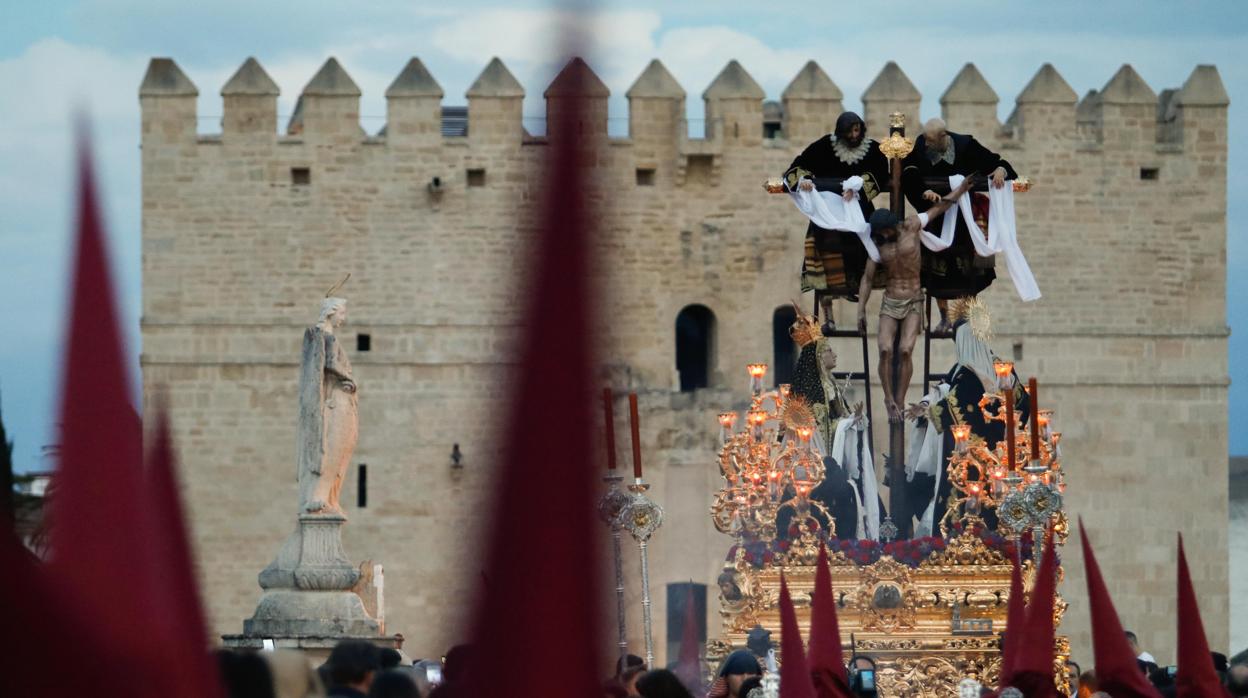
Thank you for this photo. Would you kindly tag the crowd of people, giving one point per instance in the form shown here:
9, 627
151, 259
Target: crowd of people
357, 669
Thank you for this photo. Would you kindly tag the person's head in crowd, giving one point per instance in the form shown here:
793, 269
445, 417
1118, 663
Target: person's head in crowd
455, 663
293, 675
1161, 677
1087, 684
1072, 677
389, 658
1135, 648
393, 683
1237, 680
739, 666
352, 664
245, 674
628, 669
1146, 667
1220, 665
662, 683
752, 687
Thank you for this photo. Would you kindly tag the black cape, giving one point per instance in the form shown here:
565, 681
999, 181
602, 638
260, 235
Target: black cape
834, 260
954, 272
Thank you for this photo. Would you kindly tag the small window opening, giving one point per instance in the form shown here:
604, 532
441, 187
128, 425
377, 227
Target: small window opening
1018, 351
1149, 173
361, 493
300, 176
476, 178
363, 342
784, 349
695, 327
645, 177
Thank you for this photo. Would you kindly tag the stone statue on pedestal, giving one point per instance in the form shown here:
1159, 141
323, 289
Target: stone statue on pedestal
328, 414
308, 599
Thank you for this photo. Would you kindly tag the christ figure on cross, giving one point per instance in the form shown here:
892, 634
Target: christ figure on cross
902, 307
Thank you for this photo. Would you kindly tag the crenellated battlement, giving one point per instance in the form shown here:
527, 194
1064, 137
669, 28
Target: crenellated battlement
1125, 113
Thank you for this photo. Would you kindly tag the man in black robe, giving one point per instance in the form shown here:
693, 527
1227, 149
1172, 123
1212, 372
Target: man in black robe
956, 271
835, 259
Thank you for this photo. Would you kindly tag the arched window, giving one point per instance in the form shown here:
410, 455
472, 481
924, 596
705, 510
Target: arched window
695, 334
783, 348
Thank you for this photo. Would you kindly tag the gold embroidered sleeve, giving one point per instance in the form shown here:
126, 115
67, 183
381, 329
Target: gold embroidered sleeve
793, 176
870, 188
933, 414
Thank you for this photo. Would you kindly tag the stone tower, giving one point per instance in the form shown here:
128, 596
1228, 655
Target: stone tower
1125, 229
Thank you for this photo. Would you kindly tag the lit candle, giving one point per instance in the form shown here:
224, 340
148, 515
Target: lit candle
636, 424
961, 432
756, 371
726, 420
1009, 427
608, 414
1035, 419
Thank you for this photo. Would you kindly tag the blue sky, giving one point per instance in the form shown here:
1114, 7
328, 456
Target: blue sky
59, 55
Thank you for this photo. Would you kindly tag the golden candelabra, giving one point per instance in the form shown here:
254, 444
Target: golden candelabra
768, 466
1021, 477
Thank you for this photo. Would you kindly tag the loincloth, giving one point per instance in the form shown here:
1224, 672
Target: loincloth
900, 308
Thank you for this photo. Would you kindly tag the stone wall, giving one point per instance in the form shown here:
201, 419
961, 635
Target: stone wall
1129, 340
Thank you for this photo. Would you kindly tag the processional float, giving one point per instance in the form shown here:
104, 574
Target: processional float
930, 610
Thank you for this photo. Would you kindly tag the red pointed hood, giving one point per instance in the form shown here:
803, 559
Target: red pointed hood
101, 553
1116, 670
1196, 677
794, 672
1031, 669
827, 663
1015, 617
689, 662
185, 632
544, 486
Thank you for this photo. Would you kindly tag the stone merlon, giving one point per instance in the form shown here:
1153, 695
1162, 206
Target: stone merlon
577, 80
331, 81
969, 87
250, 79
812, 83
165, 79
414, 81
891, 85
656, 81
733, 83
1127, 87
1204, 89
495, 81
1047, 87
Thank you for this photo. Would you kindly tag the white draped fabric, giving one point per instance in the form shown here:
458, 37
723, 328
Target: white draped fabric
831, 211
1002, 235
927, 453
852, 451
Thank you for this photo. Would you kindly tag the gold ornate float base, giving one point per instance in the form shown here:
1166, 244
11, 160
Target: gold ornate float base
927, 627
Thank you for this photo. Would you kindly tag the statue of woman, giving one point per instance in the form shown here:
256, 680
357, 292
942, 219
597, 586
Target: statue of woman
328, 414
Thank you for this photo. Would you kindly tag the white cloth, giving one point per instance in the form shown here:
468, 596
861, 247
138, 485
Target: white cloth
853, 453
1002, 235
927, 453
975, 356
831, 211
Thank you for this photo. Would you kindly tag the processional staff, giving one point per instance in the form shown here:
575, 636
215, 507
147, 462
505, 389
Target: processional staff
609, 508
641, 517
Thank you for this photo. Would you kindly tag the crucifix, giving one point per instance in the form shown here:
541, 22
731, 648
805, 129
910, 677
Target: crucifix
896, 147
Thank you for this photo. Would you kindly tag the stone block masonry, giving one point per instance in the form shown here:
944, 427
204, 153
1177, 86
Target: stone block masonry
243, 233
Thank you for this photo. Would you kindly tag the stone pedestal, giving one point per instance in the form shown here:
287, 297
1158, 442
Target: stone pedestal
308, 596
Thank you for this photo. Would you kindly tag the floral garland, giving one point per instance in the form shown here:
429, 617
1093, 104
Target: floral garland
911, 552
